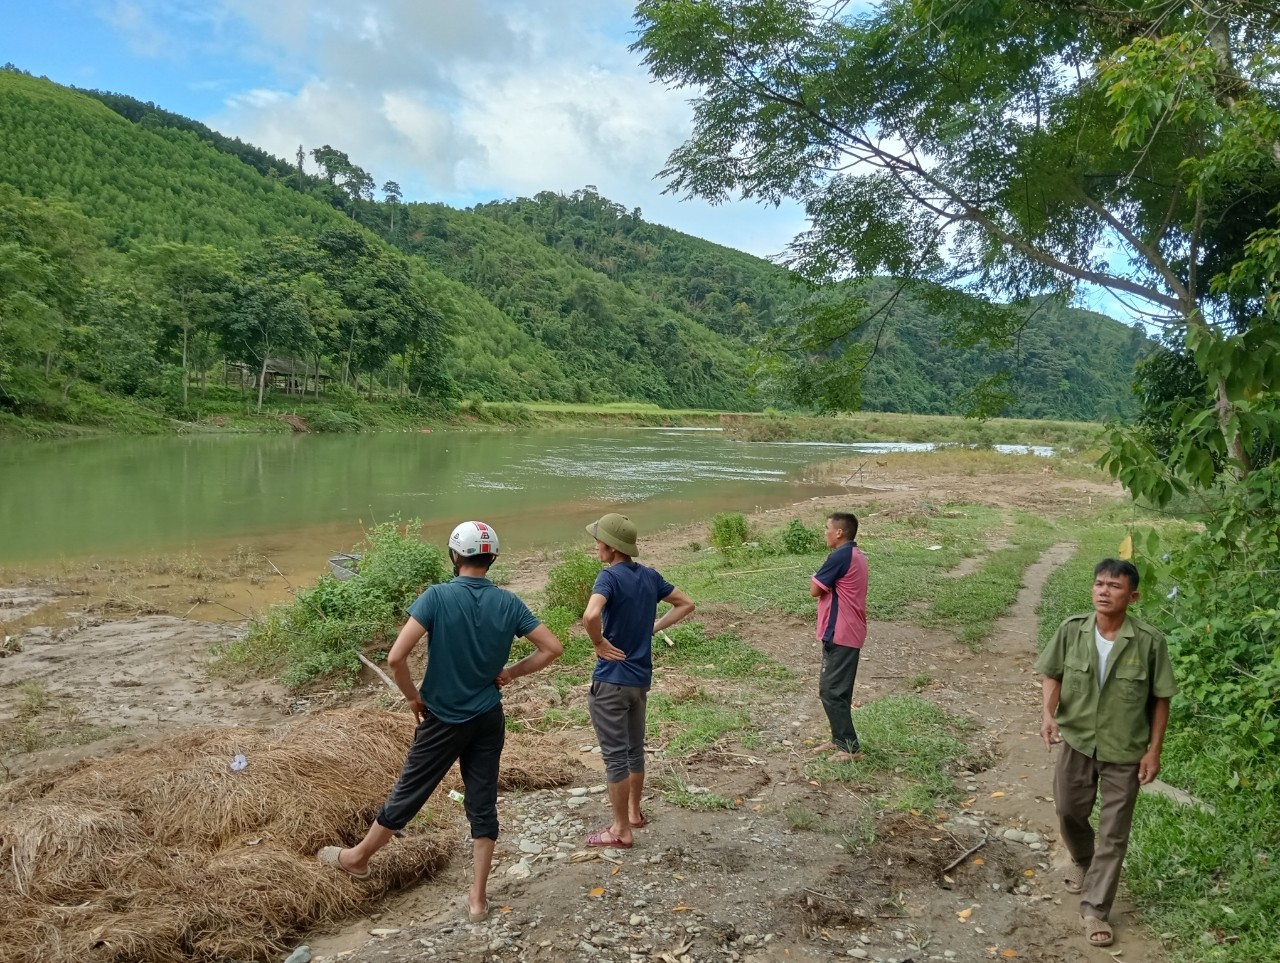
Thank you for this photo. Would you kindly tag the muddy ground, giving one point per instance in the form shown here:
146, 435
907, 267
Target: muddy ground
117, 655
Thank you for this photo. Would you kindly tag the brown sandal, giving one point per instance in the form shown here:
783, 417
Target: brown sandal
1073, 878
1094, 928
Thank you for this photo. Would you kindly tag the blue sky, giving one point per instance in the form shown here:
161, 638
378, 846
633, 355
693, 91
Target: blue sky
458, 101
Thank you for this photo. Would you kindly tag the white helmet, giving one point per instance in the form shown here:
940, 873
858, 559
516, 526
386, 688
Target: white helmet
474, 538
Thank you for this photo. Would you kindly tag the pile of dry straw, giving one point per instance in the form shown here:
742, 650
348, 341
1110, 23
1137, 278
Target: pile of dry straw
167, 854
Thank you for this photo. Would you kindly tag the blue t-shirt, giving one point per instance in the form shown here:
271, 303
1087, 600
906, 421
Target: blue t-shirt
632, 592
471, 624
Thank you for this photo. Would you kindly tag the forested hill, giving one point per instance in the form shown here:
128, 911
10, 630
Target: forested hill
554, 297
147, 183
1064, 362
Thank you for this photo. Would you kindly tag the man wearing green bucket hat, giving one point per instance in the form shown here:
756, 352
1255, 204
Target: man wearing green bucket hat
620, 622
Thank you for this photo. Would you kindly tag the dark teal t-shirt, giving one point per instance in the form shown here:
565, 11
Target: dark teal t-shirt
632, 592
470, 624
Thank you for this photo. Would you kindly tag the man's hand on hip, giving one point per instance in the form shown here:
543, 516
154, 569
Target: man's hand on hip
419, 709
609, 652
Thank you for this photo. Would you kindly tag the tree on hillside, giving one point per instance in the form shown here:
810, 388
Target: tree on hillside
392, 194
192, 287
268, 316
1022, 147
46, 252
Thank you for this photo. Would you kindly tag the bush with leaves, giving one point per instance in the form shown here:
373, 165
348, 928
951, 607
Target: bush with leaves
569, 583
320, 632
1222, 618
799, 539
728, 530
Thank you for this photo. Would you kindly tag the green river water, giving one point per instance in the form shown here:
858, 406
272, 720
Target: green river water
131, 495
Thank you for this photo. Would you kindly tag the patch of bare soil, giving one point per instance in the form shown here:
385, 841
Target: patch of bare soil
126, 682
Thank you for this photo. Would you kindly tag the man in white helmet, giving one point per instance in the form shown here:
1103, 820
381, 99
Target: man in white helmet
470, 625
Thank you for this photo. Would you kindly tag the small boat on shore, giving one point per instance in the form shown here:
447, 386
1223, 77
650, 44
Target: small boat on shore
345, 565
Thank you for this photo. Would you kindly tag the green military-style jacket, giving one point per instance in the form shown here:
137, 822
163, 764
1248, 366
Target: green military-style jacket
1112, 722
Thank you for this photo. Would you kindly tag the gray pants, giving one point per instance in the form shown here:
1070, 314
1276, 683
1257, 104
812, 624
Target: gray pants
835, 689
617, 712
1076, 781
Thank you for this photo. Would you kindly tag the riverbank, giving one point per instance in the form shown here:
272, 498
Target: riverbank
89, 412
756, 847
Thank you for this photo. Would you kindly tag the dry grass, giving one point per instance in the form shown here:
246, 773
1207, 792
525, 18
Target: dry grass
165, 854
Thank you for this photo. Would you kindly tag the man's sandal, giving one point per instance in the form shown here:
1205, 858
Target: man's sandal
330, 857
605, 839
1097, 932
1073, 878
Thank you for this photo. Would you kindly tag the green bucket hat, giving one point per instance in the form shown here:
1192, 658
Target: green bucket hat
616, 531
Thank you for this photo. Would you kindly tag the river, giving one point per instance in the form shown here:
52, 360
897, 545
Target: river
134, 495
123, 496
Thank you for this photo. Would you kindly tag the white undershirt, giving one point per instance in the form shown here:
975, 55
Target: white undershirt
1104, 652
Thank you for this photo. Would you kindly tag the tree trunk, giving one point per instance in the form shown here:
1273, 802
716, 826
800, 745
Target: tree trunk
1235, 444
346, 365
66, 386
184, 366
262, 380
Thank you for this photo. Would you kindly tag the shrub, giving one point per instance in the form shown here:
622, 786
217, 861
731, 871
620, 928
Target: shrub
320, 632
324, 418
728, 529
569, 583
799, 539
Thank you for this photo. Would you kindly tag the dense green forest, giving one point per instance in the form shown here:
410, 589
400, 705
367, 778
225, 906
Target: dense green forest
145, 256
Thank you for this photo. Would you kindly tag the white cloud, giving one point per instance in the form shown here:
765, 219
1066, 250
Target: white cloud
476, 100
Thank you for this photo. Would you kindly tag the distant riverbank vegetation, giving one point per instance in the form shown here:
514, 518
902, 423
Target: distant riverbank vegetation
157, 276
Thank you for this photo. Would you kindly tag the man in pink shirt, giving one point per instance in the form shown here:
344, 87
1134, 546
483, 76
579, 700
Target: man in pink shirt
840, 587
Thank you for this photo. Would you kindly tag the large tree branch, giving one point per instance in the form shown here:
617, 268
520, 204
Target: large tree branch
1148, 251
860, 145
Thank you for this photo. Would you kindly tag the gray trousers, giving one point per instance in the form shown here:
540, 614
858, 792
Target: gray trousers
1076, 781
617, 712
835, 689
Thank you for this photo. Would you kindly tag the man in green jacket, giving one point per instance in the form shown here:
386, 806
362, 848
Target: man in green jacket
1107, 685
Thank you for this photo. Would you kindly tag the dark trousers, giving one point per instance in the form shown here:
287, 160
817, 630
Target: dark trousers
476, 745
1076, 781
835, 688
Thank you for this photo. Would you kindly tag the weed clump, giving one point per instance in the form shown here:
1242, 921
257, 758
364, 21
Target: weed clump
799, 539
569, 583
323, 629
728, 530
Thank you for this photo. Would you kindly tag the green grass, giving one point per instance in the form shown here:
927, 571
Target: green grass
722, 656
972, 603
1194, 872
800, 817
321, 631
687, 725
557, 718
908, 557
42, 721
908, 737
676, 792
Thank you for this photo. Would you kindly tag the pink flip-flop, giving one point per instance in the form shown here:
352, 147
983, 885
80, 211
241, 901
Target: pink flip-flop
603, 838
643, 822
